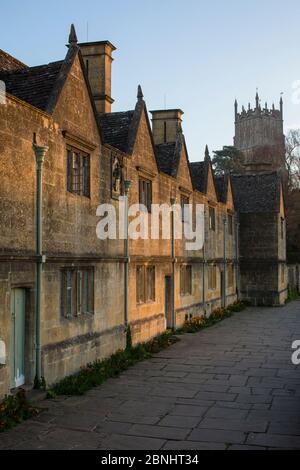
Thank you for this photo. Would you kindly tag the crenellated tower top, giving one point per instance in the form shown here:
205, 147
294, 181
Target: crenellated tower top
259, 135
258, 110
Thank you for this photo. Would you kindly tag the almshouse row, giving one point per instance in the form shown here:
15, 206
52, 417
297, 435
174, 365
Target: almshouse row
66, 296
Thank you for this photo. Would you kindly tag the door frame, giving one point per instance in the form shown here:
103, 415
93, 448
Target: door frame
16, 382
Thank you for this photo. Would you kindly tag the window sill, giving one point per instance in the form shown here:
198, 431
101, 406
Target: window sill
82, 196
149, 302
83, 316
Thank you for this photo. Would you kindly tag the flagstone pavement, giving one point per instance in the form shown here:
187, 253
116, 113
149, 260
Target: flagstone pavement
232, 386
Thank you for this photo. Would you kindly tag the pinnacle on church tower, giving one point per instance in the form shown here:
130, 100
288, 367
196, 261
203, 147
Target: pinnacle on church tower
235, 107
257, 99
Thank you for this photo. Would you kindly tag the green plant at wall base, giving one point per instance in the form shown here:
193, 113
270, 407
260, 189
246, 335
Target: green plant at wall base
98, 372
293, 294
128, 338
14, 410
40, 384
198, 323
51, 395
237, 306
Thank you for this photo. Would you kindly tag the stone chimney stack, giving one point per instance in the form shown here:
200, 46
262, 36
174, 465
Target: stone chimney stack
98, 59
165, 125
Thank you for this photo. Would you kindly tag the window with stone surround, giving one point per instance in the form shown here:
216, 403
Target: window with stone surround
77, 292
212, 277
184, 201
150, 283
186, 280
145, 193
145, 284
230, 275
230, 224
212, 219
78, 172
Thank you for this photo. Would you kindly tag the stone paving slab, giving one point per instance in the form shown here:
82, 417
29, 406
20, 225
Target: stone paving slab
231, 386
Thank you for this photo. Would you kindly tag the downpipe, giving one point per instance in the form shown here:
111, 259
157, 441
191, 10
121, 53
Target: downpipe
40, 152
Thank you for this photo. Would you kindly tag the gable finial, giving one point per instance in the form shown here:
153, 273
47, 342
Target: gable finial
73, 36
207, 156
140, 95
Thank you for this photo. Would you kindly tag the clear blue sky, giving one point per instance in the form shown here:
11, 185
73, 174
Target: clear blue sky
201, 54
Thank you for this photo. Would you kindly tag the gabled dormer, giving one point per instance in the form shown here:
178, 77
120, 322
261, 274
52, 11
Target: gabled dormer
170, 145
130, 132
223, 186
203, 177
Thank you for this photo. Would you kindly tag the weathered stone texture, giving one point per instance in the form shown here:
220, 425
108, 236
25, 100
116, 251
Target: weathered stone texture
70, 221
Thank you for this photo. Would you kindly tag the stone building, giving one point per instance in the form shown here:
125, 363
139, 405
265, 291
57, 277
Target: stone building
259, 135
66, 296
293, 226
259, 202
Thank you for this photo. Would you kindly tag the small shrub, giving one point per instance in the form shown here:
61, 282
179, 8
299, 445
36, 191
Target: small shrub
128, 338
51, 395
14, 410
237, 306
293, 294
93, 375
40, 384
193, 325
198, 323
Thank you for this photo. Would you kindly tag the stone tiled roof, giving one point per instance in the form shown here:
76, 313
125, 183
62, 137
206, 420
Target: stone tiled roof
33, 84
9, 63
115, 128
199, 175
168, 155
167, 158
256, 193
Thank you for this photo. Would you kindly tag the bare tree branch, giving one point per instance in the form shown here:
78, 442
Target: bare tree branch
292, 158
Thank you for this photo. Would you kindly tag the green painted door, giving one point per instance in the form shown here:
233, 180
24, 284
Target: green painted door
222, 283
168, 301
18, 338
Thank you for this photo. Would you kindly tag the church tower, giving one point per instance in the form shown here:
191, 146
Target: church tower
259, 135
